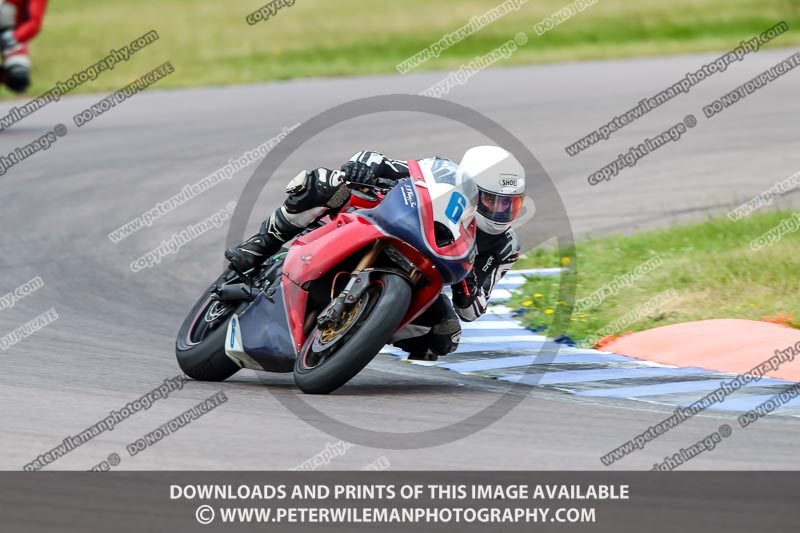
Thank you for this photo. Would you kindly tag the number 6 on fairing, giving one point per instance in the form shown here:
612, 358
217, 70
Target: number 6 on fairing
456, 207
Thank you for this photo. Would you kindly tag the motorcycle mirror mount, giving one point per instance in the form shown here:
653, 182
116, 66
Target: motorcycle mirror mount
365, 193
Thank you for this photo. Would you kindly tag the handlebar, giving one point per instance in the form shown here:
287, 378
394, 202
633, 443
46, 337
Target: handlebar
382, 186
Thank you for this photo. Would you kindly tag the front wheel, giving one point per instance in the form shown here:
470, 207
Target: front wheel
333, 356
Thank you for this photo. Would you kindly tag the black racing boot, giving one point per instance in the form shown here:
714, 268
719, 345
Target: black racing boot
253, 252
441, 339
311, 195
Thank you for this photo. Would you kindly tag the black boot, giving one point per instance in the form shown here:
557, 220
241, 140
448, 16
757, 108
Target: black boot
252, 252
443, 337
257, 249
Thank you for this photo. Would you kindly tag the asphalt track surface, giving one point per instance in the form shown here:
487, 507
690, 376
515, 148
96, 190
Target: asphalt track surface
114, 339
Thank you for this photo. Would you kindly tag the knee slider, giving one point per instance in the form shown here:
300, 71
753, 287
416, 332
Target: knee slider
319, 188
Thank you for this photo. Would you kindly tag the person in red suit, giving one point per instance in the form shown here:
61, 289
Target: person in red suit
20, 21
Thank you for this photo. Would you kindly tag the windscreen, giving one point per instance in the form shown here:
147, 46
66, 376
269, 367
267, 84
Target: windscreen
446, 171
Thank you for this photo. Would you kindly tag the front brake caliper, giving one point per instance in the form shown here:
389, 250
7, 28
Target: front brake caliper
350, 295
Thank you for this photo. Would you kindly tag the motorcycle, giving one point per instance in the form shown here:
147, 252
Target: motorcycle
325, 306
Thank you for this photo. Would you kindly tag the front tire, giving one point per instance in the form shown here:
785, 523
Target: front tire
325, 364
200, 346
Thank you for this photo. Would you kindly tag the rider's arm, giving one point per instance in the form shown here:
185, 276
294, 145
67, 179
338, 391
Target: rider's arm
367, 167
31, 26
496, 255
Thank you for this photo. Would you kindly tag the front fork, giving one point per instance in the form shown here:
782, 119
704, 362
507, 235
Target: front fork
353, 290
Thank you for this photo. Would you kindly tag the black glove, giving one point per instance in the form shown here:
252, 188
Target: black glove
464, 292
496, 255
365, 168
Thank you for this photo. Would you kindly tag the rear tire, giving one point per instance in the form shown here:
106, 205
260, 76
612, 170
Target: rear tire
387, 300
201, 354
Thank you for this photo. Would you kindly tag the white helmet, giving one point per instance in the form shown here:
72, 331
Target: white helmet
500, 179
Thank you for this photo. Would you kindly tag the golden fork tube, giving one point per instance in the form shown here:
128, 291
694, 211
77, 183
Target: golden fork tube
369, 257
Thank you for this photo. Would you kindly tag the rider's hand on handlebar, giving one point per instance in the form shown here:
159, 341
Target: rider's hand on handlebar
464, 293
366, 169
361, 173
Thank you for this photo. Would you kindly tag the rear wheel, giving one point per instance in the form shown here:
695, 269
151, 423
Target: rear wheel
200, 346
332, 357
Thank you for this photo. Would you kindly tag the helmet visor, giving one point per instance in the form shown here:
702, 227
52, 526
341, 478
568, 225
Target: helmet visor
499, 207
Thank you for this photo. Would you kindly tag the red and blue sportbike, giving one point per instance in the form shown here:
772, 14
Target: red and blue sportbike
328, 304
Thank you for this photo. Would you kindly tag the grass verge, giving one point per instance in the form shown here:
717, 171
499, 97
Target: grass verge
210, 43
711, 268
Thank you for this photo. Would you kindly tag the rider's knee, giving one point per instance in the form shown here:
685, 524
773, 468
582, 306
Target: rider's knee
445, 336
303, 218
